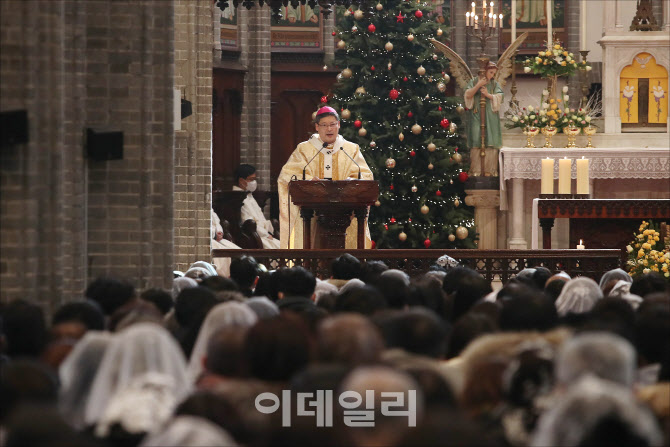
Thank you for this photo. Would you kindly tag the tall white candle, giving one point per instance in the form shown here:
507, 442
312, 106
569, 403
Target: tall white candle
491, 5
472, 14
467, 18
582, 25
548, 8
501, 22
476, 22
564, 166
513, 20
547, 178
582, 175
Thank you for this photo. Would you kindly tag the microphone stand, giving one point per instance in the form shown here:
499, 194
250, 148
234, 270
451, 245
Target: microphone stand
317, 153
351, 158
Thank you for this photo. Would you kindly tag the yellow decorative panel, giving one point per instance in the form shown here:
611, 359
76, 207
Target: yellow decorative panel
644, 66
658, 100
628, 98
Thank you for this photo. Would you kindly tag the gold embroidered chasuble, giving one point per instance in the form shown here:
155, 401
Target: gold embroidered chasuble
343, 168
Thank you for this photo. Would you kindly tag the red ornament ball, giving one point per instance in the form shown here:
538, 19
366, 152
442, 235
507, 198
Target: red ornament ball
455, 149
334, 33
462, 176
438, 193
444, 123
372, 68
391, 187
405, 79
410, 114
373, 245
358, 123
426, 243
439, 108
393, 94
412, 153
386, 227
418, 14
392, 220
324, 99
372, 28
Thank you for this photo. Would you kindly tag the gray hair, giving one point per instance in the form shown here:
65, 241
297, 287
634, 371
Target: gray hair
585, 405
601, 354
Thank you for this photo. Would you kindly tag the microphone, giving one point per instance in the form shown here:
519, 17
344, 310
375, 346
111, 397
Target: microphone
318, 152
351, 158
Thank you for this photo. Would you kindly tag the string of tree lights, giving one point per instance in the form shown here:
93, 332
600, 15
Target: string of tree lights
325, 6
391, 94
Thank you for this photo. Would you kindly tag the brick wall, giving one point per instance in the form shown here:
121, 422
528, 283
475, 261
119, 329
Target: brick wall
193, 144
66, 219
256, 112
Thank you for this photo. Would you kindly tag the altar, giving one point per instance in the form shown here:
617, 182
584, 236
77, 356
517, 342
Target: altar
615, 173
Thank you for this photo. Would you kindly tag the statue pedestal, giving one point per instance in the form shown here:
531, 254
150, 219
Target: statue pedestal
486, 203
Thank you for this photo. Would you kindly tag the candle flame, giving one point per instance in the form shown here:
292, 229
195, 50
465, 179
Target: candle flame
581, 242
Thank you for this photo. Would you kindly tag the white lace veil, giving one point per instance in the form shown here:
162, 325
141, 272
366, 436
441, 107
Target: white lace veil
138, 349
220, 316
579, 295
77, 373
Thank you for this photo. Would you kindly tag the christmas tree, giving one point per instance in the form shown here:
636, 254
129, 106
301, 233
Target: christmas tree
391, 96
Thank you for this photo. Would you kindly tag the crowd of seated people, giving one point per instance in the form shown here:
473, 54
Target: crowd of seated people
368, 357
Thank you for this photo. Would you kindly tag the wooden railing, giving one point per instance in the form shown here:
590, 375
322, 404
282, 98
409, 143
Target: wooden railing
494, 265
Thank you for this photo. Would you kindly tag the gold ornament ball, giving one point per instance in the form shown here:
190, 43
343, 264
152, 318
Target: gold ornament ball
360, 90
388, 46
446, 77
457, 202
430, 166
347, 73
362, 132
346, 114
401, 136
460, 109
339, 77
402, 236
390, 163
325, 67
379, 6
416, 129
434, 56
441, 87
378, 203
354, 29
347, 13
425, 209
421, 71
414, 188
453, 127
358, 14
373, 144
439, 31
431, 147
390, 65
341, 44
461, 232
451, 238
457, 157
410, 37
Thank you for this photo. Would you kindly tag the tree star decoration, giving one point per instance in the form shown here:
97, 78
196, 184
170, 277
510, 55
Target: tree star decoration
400, 18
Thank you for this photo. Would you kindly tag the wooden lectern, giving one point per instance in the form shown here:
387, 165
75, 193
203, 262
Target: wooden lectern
333, 202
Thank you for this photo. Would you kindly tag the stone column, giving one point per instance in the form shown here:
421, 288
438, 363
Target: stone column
517, 239
486, 203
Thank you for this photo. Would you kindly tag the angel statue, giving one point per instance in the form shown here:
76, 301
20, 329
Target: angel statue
483, 97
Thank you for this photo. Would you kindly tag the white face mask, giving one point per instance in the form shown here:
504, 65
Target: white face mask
252, 185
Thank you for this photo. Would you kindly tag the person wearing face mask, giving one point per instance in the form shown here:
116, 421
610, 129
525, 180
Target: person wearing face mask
330, 164
246, 181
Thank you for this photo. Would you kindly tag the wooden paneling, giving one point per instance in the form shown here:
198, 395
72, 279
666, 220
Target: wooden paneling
295, 96
226, 126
